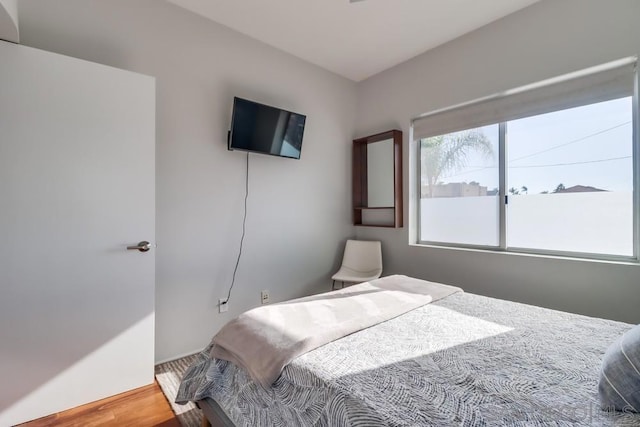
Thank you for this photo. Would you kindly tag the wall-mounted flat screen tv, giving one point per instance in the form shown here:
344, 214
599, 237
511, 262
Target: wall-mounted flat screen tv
264, 129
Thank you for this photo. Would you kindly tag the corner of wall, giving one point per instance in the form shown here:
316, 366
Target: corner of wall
9, 28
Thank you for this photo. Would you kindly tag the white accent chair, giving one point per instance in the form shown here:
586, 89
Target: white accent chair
362, 262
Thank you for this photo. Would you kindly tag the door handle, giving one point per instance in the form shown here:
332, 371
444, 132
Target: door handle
142, 246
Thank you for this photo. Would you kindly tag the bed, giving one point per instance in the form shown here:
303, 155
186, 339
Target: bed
464, 360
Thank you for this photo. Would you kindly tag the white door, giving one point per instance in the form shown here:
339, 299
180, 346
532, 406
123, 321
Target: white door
77, 186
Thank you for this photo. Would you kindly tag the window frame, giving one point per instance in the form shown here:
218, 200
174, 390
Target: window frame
503, 196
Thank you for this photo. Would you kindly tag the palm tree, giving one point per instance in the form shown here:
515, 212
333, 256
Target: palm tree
559, 188
518, 191
449, 153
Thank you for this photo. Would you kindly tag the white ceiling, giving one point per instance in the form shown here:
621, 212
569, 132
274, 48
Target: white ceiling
354, 39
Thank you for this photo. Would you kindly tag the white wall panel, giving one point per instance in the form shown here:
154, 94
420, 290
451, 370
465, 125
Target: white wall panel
77, 186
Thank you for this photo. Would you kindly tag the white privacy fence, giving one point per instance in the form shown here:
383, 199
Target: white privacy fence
593, 222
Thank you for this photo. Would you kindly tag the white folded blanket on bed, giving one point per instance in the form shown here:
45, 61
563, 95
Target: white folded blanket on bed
264, 340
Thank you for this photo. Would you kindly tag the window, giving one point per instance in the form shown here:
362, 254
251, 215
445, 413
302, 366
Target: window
459, 201
544, 169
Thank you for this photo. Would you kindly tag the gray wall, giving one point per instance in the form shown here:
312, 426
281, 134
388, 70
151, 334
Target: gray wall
9, 21
550, 38
298, 211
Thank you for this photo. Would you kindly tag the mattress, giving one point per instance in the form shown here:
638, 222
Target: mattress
464, 360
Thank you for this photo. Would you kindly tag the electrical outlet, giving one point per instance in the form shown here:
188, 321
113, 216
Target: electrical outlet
265, 297
222, 306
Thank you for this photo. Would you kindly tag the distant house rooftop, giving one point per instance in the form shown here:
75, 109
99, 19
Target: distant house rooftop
578, 189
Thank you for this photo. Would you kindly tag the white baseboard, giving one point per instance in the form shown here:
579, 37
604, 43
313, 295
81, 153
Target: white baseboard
180, 356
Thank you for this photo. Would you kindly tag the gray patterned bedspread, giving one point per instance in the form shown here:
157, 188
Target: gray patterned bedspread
466, 360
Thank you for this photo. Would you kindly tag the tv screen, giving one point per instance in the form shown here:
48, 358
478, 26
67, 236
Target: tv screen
263, 129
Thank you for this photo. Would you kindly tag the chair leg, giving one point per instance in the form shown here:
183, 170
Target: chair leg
333, 286
343, 285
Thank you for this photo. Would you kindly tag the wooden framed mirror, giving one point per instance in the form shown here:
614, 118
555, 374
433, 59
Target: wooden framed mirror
377, 180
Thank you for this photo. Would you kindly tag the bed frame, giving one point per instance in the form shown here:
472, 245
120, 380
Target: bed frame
213, 415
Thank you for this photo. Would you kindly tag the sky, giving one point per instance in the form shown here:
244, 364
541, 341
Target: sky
589, 145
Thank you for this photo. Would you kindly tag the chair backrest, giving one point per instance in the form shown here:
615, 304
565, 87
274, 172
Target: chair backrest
361, 255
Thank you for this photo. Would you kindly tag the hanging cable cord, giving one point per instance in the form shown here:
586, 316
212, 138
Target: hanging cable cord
244, 223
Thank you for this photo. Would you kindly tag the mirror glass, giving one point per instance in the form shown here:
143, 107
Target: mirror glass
380, 181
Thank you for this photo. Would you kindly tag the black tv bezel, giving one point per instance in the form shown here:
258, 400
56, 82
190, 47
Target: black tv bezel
233, 116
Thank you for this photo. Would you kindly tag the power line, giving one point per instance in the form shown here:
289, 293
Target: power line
570, 164
549, 149
555, 147
471, 171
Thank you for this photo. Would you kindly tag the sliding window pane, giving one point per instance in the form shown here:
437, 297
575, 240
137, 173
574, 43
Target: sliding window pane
570, 180
459, 181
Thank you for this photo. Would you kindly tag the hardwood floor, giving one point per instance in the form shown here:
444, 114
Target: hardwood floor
142, 407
